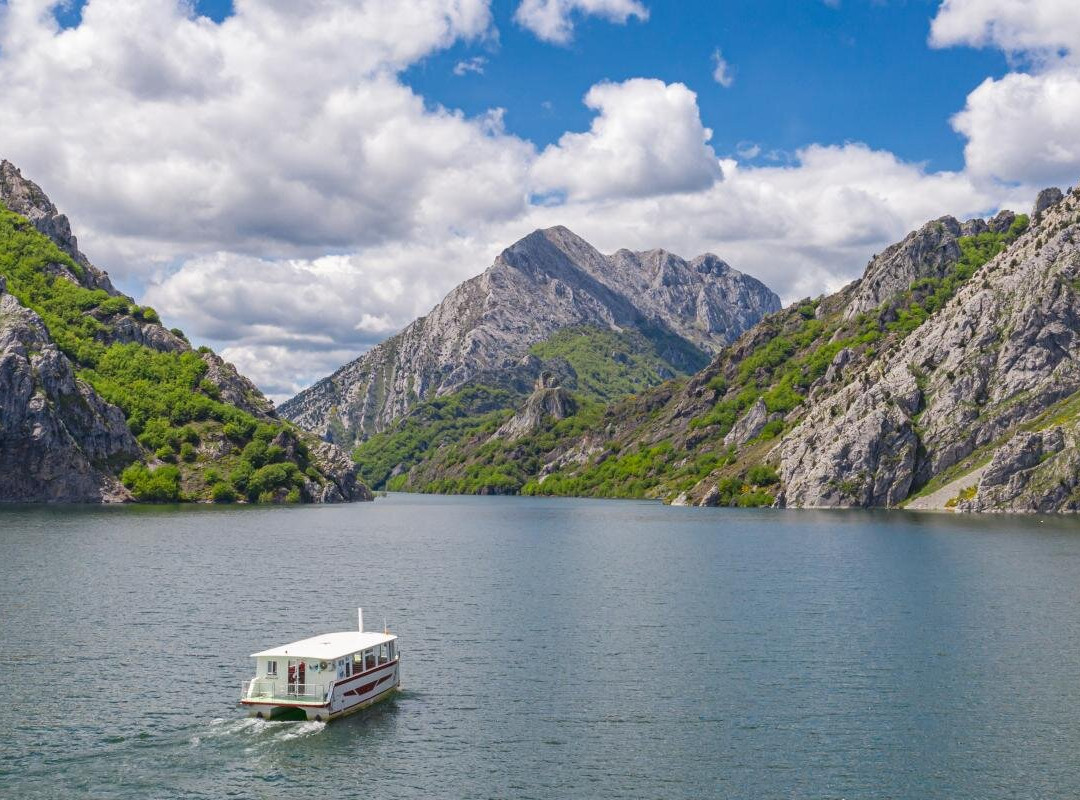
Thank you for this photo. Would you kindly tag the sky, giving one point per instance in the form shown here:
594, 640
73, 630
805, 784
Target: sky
292, 181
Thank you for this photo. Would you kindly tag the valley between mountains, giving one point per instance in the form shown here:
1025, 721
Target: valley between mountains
946, 377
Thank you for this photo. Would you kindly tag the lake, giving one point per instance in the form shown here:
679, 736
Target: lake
551, 649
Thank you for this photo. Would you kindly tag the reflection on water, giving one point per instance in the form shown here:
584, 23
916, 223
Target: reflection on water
552, 649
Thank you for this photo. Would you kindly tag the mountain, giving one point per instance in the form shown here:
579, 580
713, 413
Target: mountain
99, 402
502, 329
948, 376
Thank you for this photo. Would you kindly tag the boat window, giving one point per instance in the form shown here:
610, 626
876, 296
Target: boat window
271, 668
369, 658
391, 646
358, 660
384, 654
348, 667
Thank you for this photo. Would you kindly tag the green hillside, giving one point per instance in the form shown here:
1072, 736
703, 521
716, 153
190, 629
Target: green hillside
597, 365
196, 447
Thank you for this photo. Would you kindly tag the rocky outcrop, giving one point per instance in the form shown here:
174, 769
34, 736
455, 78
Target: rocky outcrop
25, 197
550, 280
929, 252
345, 486
548, 401
1035, 471
749, 425
59, 441
1046, 198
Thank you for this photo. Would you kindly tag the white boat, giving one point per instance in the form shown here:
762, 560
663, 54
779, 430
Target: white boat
324, 677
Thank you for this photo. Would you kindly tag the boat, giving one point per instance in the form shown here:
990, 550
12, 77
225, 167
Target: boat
324, 677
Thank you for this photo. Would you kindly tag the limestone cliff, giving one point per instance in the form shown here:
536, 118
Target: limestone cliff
59, 441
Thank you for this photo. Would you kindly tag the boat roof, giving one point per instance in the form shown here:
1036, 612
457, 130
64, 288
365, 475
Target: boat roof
328, 646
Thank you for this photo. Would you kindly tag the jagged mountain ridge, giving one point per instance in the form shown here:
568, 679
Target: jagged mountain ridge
948, 375
550, 280
61, 440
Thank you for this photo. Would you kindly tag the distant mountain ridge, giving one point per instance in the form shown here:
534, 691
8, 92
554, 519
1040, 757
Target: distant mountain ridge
548, 281
947, 377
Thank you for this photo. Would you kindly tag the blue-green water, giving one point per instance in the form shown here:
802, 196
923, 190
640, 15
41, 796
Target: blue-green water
552, 649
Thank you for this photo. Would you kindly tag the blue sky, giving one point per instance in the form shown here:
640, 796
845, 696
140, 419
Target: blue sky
291, 181
804, 71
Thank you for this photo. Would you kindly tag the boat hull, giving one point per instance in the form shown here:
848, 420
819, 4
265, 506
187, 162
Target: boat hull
346, 697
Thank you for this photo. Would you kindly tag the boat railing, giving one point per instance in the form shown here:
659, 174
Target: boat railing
274, 689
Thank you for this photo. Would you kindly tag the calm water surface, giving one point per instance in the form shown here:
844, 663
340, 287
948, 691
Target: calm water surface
552, 649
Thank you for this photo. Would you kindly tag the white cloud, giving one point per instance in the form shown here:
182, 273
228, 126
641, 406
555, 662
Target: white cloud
803, 228
748, 150
1024, 126
282, 130
475, 64
722, 72
1035, 27
212, 168
646, 139
552, 20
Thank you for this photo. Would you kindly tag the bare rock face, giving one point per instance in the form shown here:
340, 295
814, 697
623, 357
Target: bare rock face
58, 438
235, 388
345, 487
1000, 353
1035, 471
748, 426
549, 280
548, 400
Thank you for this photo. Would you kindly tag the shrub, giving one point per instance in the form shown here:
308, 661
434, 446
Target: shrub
762, 475
222, 493
161, 485
188, 452
241, 475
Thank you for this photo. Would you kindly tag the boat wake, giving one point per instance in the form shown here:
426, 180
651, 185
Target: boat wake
258, 732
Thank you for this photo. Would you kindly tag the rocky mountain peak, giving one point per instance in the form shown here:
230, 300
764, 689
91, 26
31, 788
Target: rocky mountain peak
547, 281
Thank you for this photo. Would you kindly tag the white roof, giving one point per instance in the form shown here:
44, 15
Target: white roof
328, 646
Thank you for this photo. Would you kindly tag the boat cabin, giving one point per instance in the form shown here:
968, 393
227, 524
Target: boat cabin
323, 676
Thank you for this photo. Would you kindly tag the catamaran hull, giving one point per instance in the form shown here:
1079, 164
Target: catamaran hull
347, 697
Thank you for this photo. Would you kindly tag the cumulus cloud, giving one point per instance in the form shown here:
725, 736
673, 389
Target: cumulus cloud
1036, 27
722, 72
553, 20
1024, 126
211, 167
646, 139
281, 130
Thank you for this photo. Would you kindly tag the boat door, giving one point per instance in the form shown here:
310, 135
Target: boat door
296, 676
